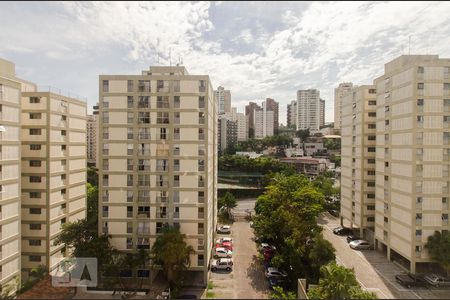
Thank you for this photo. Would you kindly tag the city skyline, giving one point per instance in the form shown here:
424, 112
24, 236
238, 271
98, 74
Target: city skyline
254, 54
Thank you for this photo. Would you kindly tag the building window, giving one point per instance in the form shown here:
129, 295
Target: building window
35, 179
371, 126
143, 273
372, 114
176, 101
63, 133
35, 147
371, 172
35, 226
130, 86
35, 195
35, 116
371, 149
35, 99
35, 163
106, 86
371, 161
130, 101
202, 86
34, 242
420, 86
371, 137
371, 183
201, 102
34, 258
419, 102
370, 196
420, 70
372, 91
35, 131
35, 211
370, 219
372, 102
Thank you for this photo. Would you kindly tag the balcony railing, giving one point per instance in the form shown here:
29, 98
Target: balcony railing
161, 215
143, 215
144, 136
201, 199
176, 167
201, 231
176, 183
145, 199
176, 136
161, 199
201, 215
105, 230
176, 215
201, 184
143, 168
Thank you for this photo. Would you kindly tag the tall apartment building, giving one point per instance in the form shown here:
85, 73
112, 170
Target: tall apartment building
53, 138
241, 122
158, 162
413, 155
227, 133
91, 139
308, 110
223, 99
250, 114
272, 105
264, 122
358, 135
339, 92
292, 113
10, 162
322, 112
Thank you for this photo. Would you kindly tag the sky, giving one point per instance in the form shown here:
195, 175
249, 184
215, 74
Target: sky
257, 50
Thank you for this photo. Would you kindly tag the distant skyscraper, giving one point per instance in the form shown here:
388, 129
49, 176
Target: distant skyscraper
308, 110
242, 124
227, 133
339, 92
91, 139
223, 98
292, 113
322, 112
264, 124
250, 113
272, 105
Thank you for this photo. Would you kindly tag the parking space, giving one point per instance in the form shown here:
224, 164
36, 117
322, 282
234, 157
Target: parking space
373, 270
246, 280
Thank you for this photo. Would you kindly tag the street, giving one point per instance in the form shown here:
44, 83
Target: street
372, 269
247, 280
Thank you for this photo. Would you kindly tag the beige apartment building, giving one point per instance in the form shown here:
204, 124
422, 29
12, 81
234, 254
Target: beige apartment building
53, 141
358, 133
223, 100
339, 92
158, 161
91, 139
413, 150
10, 89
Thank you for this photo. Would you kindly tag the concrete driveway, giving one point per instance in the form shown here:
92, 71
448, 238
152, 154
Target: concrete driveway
247, 280
374, 272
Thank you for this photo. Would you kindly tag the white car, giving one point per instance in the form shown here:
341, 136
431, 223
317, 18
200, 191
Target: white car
224, 240
222, 264
436, 280
274, 272
222, 252
264, 246
224, 229
360, 245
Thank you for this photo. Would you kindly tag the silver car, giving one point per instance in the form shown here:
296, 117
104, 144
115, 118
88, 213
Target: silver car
436, 280
360, 245
222, 264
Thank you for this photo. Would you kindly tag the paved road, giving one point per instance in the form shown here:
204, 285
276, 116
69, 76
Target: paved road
247, 280
374, 272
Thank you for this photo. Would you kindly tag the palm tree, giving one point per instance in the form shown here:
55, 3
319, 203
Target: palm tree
171, 251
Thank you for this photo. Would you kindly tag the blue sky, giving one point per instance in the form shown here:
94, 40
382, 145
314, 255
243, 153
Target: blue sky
255, 49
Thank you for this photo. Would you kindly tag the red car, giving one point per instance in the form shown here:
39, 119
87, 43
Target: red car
226, 245
268, 254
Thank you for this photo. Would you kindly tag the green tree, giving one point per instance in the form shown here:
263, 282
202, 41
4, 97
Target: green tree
438, 246
303, 134
338, 282
228, 202
320, 253
171, 251
280, 293
92, 204
92, 176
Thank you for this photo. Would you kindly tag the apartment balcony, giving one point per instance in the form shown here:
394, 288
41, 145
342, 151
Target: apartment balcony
105, 214
143, 215
105, 198
201, 136
446, 124
162, 168
201, 231
419, 222
202, 89
165, 152
201, 120
200, 215
201, 184
176, 120
143, 231
201, 199
105, 182
161, 199
163, 89
143, 183
418, 237
201, 168
444, 222
176, 183
105, 230
129, 198
163, 184
130, 167
176, 199
446, 92
162, 105
143, 168
419, 206
142, 104
129, 182
144, 136
176, 136
176, 215
201, 152
129, 214
160, 215
445, 190
418, 254
144, 199
144, 89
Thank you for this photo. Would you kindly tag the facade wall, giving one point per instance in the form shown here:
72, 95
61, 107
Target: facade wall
159, 168
10, 183
53, 173
413, 114
339, 92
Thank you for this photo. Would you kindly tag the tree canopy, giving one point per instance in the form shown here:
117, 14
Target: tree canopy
338, 282
228, 201
438, 246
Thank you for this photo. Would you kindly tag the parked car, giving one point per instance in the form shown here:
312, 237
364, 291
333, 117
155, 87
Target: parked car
334, 213
360, 245
342, 231
226, 245
222, 252
222, 264
352, 238
226, 229
274, 272
409, 280
264, 247
224, 239
436, 280
268, 254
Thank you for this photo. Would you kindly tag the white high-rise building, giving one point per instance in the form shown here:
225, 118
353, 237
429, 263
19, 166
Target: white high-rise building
340, 92
242, 124
223, 99
264, 122
91, 139
308, 110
